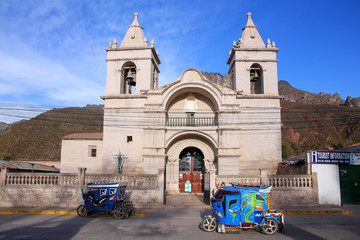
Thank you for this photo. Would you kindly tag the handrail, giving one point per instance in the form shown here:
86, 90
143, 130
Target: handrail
191, 122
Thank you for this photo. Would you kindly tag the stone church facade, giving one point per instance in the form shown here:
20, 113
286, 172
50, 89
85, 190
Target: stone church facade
189, 127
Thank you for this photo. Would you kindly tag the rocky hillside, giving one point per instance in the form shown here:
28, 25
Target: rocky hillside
318, 127
3, 126
40, 137
292, 94
295, 95
218, 78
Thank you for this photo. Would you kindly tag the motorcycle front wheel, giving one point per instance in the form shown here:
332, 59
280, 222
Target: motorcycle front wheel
270, 226
119, 213
209, 224
81, 211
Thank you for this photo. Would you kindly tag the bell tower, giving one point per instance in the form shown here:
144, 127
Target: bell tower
132, 70
132, 67
252, 65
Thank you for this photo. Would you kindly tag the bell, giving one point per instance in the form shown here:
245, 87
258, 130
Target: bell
130, 79
254, 76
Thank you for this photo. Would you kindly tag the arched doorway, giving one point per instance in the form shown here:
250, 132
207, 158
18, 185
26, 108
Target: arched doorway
191, 169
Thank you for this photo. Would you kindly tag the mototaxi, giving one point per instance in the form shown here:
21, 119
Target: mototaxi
243, 206
106, 198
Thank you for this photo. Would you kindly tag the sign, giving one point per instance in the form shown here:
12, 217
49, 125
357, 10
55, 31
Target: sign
187, 186
355, 158
330, 157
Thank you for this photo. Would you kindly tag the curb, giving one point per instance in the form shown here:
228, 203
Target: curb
302, 212
56, 212
141, 213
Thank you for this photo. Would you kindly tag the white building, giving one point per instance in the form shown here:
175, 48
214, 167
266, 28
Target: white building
189, 126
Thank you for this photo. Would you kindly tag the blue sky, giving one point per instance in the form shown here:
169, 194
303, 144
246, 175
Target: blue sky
53, 52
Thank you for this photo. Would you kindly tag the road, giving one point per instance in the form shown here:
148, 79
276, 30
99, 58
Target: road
170, 224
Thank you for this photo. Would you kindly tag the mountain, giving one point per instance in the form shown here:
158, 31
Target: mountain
292, 94
318, 127
40, 137
3, 126
218, 78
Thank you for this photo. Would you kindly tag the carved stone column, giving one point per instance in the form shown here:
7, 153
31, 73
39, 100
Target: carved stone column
212, 180
263, 177
2, 180
171, 176
160, 188
81, 183
3, 176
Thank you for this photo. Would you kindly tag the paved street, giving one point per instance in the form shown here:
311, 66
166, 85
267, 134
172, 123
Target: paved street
169, 224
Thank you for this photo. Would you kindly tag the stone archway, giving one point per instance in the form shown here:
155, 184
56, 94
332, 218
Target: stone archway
191, 170
174, 153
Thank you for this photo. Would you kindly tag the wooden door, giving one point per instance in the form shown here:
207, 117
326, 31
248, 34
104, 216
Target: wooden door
191, 168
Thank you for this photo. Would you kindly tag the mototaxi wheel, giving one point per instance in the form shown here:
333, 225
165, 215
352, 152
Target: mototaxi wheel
270, 226
209, 224
119, 213
81, 211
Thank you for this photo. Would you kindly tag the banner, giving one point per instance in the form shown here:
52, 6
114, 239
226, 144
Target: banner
355, 158
330, 157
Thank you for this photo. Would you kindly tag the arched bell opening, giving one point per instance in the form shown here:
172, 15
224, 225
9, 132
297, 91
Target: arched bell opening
256, 79
191, 170
128, 78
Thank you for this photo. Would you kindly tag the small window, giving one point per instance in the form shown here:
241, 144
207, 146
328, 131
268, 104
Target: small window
198, 164
260, 198
129, 139
185, 164
102, 191
92, 151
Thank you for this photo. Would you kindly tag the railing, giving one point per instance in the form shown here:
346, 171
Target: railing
278, 181
191, 122
229, 180
301, 181
31, 179
134, 181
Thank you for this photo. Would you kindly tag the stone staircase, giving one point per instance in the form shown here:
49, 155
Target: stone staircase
186, 200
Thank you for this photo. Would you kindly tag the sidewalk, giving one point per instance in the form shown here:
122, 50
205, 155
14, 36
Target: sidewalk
145, 211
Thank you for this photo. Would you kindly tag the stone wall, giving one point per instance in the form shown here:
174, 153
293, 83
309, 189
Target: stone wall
287, 191
64, 190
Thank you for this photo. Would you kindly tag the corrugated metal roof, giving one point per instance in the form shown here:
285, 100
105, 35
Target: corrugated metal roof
89, 136
352, 148
14, 165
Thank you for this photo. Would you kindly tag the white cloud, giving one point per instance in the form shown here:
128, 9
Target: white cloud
30, 74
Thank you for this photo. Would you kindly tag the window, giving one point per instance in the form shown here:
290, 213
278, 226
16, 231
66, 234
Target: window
185, 164
92, 151
198, 163
129, 139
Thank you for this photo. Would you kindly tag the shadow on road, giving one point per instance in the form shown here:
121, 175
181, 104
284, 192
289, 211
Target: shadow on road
41, 227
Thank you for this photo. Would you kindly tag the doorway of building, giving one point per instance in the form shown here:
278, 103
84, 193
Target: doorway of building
191, 170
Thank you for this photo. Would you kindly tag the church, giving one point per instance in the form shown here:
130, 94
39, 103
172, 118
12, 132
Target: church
189, 127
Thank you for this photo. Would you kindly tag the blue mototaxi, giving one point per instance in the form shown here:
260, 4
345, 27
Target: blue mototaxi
243, 206
106, 198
